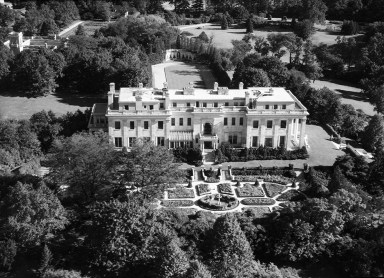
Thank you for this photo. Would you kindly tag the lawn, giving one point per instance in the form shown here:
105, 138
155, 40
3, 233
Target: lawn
90, 26
16, 106
179, 74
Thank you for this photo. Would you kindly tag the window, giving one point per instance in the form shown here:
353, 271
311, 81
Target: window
181, 122
299, 121
284, 106
197, 104
160, 125
131, 141
267, 106
215, 104
226, 104
189, 121
161, 105
269, 123
204, 104
174, 104
146, 124
173, 121
225, 121
160, 141
282, 141
172, 145
188, 104
118, 142
275, 106
255, 124
145, 107
268, 142
254, 141
233, 121
241, 121
242, 103
283, 124
232, 139
117, 124
151, 107
131, 125
126, 107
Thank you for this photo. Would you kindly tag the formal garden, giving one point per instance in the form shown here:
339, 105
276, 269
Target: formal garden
260, 189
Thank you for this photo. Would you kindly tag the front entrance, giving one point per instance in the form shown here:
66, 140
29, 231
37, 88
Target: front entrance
207, 129
208, 145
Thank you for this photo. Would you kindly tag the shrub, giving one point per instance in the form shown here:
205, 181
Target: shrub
273, 189
226, 202
265, 178
257, 211
259, 21
180, 192
203, 189
177, 203
290, 195
258, 202
249, 190
349, 27
212, 180
304, 29
188, 155
203, 37
225, 188
186, 33
290, 173
224, 23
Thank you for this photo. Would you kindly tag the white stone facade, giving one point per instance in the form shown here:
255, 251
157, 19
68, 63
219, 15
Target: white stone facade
204, 118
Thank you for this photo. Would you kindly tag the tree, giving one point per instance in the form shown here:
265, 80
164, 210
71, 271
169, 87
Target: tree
7, 16
309, 63
119, 236
249, 24
373, 137
304, 29
198, 6
203, 37
173, 261
181, 6
224, 23
8, 251
65, 12
314, 10
36, 72
84, 162
49, 27
231, 255
375, 178
30, 215
6, 58
149, 167
198, 270
61, 273
240, 49
80, 31
354, 168
254, 77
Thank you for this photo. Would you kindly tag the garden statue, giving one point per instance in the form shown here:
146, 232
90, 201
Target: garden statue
238, 184
218, 197
189, 184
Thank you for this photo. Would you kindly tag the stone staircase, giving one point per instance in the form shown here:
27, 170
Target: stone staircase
209, 157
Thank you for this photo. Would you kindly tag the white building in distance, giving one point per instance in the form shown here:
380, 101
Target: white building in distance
202, 118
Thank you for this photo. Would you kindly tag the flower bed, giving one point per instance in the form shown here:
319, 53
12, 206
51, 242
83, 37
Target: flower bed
272, 189
257, 211
258, 202
250, 190
180, 192
177, 203
212, 180
211, 202
290, 195
203, 189
225, 188
266, 178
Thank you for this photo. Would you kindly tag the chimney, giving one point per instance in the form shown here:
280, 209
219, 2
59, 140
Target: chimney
215, 86
271, 91
165, 85
241, 86
111, 93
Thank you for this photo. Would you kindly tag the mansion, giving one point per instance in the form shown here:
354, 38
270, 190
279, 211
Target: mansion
202, 117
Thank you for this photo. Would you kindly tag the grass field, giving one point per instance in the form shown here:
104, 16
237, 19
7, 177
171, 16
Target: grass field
90, 27
13, 106
179, 74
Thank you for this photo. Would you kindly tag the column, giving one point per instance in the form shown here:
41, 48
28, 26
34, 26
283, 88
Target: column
289, 133
275, 133
166, 132
295, 129
153, 129
248, 136
124, 133
138, 129
302, 132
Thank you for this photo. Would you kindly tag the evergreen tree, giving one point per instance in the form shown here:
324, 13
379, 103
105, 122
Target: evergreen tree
80, 31
198, 6
174, 262
373, 137
198, 270
45, 259
231, 254
224, 23
249, 25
